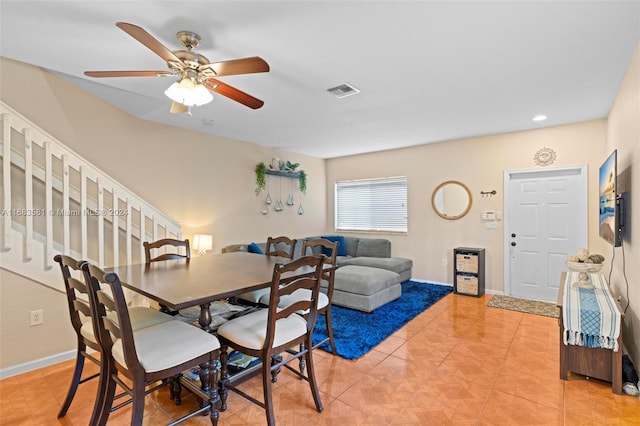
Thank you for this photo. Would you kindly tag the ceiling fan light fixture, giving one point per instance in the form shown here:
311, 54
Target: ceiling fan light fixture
189, 93
201, 95
194, 71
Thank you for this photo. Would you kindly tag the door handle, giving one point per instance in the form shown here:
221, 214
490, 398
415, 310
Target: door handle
513, 244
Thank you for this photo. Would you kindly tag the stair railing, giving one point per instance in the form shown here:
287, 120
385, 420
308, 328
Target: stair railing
55, 201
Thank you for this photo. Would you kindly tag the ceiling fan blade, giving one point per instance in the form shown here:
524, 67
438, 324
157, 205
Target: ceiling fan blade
148, 40
237, 66
100, 74
233, 93
178, 108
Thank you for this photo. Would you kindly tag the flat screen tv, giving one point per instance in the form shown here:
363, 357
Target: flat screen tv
610, 226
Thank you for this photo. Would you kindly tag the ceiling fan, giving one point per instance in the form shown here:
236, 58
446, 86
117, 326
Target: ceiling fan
195, 72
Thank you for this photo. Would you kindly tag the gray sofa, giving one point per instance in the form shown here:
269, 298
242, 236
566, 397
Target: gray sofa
367, 276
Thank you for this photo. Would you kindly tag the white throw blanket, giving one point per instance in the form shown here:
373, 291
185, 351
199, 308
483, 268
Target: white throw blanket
591, 316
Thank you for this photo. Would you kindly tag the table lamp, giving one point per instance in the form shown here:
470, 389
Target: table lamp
202, 243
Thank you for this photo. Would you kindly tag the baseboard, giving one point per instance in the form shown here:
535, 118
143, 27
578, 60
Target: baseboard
14, 370
431, 282
487, 291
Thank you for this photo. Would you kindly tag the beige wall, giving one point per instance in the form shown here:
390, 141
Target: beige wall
480, 164
206, 183
21, 343
623, 134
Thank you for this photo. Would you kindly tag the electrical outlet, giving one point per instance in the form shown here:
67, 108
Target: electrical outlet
444, 262
37, 317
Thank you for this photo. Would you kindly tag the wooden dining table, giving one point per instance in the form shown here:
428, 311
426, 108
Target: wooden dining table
199, 281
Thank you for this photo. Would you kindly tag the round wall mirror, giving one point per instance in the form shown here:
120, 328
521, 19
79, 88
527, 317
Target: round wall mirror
451, 200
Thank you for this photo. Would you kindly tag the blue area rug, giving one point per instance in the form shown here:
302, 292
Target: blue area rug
356, 333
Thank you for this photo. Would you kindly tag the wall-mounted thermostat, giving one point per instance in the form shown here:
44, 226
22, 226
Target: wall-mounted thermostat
489, 215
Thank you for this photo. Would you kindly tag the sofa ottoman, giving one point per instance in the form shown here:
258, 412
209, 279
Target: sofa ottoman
364, 288
399, 265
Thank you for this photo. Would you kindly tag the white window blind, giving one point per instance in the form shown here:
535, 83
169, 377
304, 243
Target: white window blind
372, 205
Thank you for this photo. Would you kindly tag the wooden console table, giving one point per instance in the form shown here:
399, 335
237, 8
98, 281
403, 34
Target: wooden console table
599, 363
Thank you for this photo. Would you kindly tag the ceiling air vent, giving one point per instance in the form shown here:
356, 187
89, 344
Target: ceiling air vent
343, 90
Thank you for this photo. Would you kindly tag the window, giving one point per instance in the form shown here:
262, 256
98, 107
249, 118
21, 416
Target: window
372, 205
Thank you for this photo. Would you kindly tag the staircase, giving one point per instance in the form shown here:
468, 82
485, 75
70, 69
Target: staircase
55, 201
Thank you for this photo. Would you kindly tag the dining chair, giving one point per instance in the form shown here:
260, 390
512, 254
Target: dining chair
329, 250
157, 353
81, 319
269, 332
163, 244
80, 314
276, 246
280, 246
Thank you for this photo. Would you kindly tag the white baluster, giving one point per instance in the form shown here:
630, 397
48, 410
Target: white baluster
100, 223
66, 229
48, 184
115, 221
6, 178
28, 195
155, 227
83, 213
143, 232
129, 236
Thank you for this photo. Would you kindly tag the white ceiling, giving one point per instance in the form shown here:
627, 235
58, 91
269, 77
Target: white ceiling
428, 71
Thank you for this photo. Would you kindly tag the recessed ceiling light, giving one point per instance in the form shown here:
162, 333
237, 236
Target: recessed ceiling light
539, 117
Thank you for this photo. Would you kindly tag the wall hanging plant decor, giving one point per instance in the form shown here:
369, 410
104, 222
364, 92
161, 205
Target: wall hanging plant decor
280, 169
261, 181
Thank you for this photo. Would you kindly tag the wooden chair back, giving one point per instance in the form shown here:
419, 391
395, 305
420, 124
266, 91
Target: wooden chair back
280, 246
77, 296
112, 315
326, 246
282, 284
148, 246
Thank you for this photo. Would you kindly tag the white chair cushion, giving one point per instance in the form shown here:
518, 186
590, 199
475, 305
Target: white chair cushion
250, 330
299, 294
141, 317
167, 344
87, 331
256, 295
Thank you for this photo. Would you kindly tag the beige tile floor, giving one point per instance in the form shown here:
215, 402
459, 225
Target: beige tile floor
459, 362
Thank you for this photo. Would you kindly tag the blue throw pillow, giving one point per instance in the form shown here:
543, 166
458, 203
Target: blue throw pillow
254, 248
342, 246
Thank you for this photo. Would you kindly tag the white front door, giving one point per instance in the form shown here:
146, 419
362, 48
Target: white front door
545, 220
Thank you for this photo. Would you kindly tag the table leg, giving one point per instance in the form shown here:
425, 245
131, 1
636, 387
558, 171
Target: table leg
205, 317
